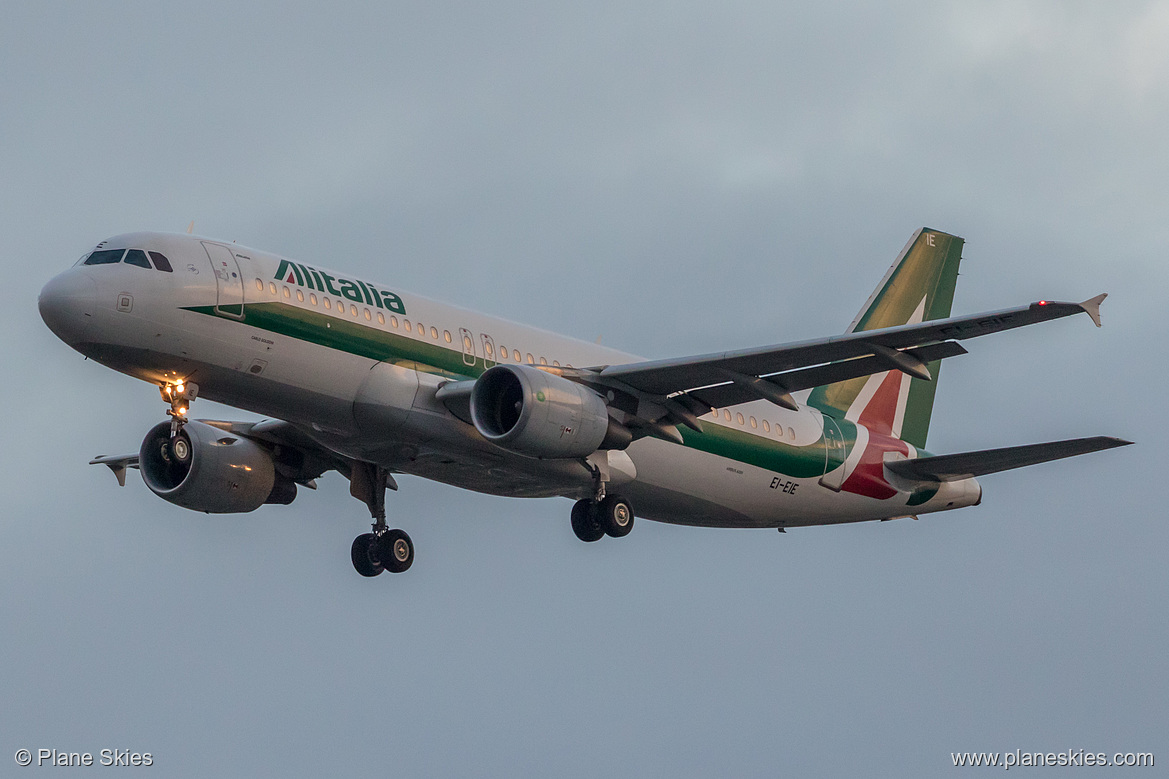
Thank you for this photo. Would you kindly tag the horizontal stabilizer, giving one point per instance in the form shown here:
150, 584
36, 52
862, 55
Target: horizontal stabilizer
953, 467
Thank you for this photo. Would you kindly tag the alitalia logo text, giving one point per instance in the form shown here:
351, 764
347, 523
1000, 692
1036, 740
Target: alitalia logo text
358, 291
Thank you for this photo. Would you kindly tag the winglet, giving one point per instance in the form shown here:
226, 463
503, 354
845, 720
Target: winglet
1092, 306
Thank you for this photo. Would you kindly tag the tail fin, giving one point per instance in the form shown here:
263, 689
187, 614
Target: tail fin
918, 287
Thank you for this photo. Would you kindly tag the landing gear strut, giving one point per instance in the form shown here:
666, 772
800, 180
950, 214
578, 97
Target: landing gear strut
612, 515
383, 549
179, 395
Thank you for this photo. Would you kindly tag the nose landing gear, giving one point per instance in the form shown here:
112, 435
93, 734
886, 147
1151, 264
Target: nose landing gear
179, 395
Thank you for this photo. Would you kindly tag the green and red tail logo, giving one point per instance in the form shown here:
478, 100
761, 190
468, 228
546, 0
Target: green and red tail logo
918, 287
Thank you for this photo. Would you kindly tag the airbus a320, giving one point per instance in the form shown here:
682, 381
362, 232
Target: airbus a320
365, 379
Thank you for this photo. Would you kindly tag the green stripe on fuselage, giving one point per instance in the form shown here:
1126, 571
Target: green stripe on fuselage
365, 341
798, 462
352, 337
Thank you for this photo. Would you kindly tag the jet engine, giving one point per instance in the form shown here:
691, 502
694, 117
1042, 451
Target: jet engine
207, 469
539, 414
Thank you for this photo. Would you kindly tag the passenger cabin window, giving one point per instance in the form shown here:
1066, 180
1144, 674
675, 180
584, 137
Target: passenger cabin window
105, 257
163, 264
259, 285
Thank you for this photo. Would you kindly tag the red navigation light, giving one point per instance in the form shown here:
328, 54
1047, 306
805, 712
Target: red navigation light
1043, 302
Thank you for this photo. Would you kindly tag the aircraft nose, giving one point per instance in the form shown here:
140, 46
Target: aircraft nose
67, 302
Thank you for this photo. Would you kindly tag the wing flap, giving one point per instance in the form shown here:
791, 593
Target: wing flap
794, 381
953, 467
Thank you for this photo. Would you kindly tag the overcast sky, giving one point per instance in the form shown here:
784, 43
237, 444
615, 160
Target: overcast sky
676, 179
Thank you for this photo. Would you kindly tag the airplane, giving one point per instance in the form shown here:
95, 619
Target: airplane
371, 381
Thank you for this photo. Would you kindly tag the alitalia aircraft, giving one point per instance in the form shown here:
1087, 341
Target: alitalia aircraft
370, 381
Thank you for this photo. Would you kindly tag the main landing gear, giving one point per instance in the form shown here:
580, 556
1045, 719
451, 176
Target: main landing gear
612, 515
384, 549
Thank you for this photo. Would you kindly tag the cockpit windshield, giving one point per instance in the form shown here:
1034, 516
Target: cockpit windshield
130, 257
137, 257
105, 257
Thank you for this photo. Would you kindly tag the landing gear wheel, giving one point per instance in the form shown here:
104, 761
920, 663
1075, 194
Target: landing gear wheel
364, 555
395, 550
615, 516
584, 521
180, 447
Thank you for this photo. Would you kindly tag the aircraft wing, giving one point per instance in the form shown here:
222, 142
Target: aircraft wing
117, 463
906, 348
953, 467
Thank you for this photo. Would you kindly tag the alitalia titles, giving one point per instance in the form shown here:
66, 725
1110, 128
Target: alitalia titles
357, 291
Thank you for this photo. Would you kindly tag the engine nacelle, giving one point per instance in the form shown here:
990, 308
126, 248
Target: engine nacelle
207, 469
539, 414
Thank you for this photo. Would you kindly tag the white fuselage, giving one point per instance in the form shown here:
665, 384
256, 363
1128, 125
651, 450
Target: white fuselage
356, 366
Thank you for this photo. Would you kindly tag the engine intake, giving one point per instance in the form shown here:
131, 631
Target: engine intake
207, 469
539, 414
